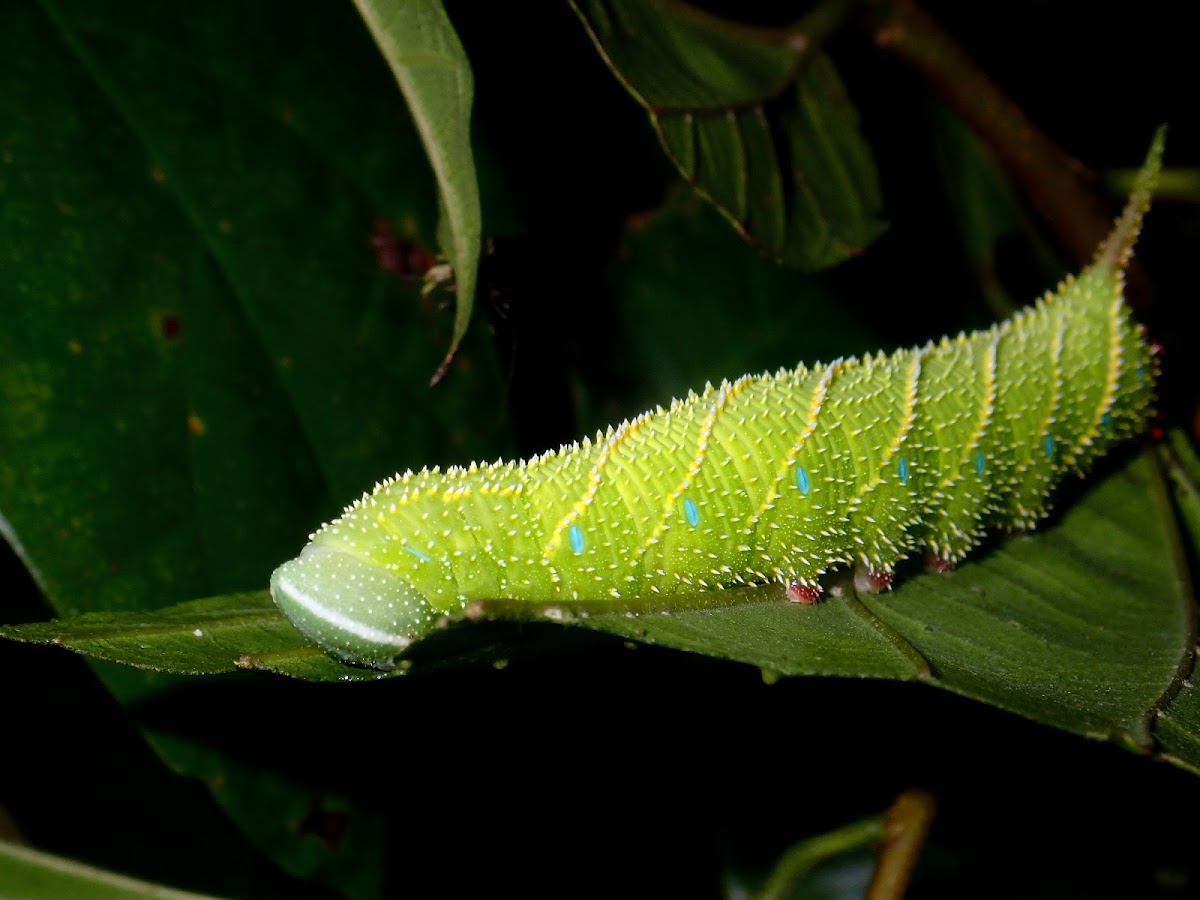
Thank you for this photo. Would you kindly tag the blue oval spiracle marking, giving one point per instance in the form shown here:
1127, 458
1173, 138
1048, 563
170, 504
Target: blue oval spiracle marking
1049, 445
1106, 424
689, 510
979, 463
903, 470
802, 481
424, 557
1141, 374
576, 534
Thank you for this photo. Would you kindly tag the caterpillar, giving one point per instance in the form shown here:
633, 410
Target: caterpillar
783, 477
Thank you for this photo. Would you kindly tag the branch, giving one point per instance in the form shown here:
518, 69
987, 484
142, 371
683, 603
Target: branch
905, 827
1059, 187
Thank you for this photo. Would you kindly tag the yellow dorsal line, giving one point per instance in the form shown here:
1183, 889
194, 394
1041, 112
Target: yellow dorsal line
1060, 337
986, 411
906, 424
623, 432
728, 391
1051, 415
789, 461
1112, 377
526, 487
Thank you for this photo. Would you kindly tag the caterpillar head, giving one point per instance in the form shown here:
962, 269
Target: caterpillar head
356, 611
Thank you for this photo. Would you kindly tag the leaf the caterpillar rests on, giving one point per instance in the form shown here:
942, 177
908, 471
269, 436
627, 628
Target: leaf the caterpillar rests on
771, 478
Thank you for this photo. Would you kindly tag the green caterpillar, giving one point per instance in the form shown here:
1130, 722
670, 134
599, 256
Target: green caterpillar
770, 478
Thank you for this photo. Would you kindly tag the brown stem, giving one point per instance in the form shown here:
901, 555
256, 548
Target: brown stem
905, 827
1059, 187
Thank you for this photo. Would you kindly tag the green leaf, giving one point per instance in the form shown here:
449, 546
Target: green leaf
757, 120
200, 637
32, 875
1086, 626
1178, 721
419, 44
1183, 465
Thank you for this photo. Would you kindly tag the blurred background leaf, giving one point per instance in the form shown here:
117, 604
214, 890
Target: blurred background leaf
39, 876
419, 44
757, 120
